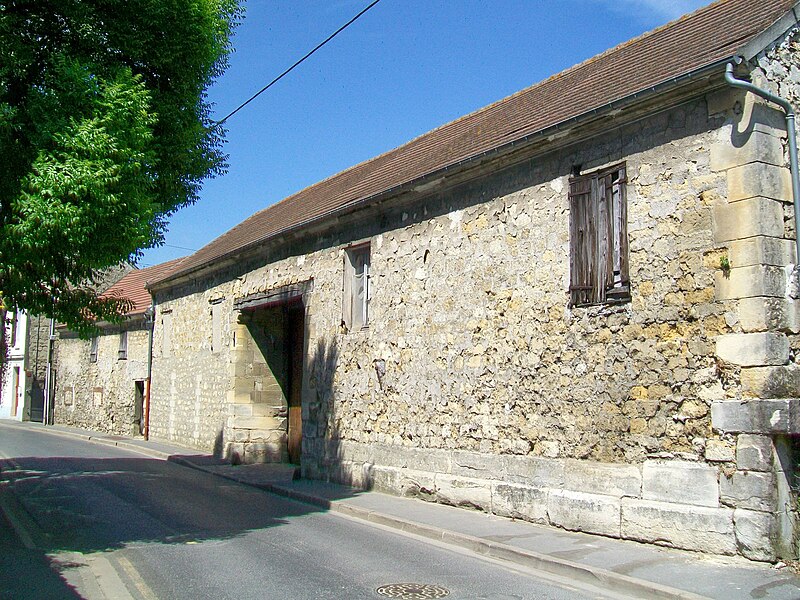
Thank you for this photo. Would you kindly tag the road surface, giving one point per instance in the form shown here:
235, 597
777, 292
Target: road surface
93, 521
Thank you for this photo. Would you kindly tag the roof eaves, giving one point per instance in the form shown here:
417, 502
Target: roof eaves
528, 138
772, 34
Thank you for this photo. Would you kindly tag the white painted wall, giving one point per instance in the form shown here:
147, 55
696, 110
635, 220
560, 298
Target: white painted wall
12, 400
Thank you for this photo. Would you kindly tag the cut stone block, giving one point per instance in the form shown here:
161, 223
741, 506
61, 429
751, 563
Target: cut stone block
240, 410
768, 314
754, 534
416, 484
744, 147
519, 502
433, 461
696, 528
754, 452
751, 217
761, 250
263, 452
759, 179
356, 475
535, 471
472, 464
771, 382
463, 491
680, 482
599, 478
749, 489
385, 479
748, 282
718, 451
754, 416
263, 422
591, 513
355, 452
753, 349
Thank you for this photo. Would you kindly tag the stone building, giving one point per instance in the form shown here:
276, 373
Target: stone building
102, 383
574, 306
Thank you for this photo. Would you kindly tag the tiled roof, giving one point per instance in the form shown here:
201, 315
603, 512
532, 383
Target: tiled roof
706, 37
133, 285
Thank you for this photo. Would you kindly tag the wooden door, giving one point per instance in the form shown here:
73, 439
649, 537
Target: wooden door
15, 399
295, 334
138, 408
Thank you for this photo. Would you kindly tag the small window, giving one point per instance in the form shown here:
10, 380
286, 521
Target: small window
356, 288
216, 326
123, 346
166, 335
93, 349
598, 238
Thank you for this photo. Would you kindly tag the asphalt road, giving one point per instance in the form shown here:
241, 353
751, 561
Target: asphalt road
97, 522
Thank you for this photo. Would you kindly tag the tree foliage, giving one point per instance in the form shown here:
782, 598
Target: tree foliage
105, 131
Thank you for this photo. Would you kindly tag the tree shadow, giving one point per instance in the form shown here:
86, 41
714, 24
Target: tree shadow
88, 505
322, 453
29, 573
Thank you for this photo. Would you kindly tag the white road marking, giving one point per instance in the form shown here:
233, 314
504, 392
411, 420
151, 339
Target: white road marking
95, 577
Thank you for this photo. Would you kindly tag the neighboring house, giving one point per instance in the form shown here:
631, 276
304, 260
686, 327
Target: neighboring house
102, 382
12, 399
27, 385
571, 307
25, 381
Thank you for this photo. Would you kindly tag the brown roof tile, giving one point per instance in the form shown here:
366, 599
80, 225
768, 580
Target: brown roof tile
712, 34
133, 285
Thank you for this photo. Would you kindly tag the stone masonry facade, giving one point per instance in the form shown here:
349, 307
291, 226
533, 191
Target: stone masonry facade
38, 356
666, 419
100, 394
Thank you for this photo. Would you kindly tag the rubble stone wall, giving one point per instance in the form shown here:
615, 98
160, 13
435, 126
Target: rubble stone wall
38, 351
190, 379
99, 395
476, 383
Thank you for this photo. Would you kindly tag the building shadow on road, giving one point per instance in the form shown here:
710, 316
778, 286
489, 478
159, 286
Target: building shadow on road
91, 505
28, 573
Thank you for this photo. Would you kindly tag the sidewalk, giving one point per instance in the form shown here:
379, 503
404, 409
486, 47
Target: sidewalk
636, 570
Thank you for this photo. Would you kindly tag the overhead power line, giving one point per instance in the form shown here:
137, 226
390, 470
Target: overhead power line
180, 247
290, 69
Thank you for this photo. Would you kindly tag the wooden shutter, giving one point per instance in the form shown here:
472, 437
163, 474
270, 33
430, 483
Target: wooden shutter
598, 238
622, 219
582, 241
347, 292
122, 354
360, 283
356, 287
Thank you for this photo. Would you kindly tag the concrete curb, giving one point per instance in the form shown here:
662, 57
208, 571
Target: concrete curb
594, 576
98, 439
585, 574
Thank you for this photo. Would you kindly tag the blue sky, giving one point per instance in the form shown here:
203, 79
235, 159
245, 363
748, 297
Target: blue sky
402, 69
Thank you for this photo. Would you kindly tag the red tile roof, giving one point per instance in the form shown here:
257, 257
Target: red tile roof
706, 37
133, 285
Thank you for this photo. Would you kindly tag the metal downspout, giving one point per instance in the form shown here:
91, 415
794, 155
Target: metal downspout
791, 134
48, 375
150, 318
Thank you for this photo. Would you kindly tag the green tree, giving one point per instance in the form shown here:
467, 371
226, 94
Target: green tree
105, 131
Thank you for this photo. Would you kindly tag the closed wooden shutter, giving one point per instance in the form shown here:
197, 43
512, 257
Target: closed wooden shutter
583, 241
598, 238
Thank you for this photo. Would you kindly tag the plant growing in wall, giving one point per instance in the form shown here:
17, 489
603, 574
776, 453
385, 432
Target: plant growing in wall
725, 265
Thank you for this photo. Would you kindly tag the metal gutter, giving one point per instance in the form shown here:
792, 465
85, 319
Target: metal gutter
791, 134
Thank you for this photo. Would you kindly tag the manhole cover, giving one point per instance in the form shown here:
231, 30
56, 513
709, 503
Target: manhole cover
412, 591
